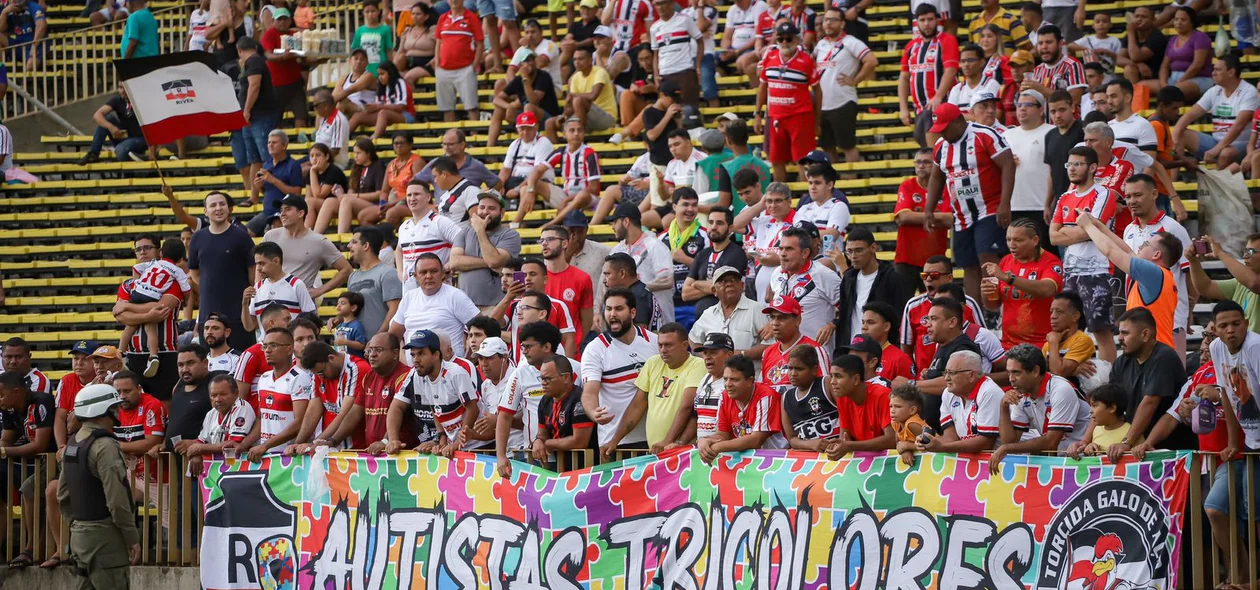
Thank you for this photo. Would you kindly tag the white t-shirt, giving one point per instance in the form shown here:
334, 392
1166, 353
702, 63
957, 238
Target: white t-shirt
961, 94
1092, 43
708, 401
763, 237
235, 425
198, 22
1032, 173
830, 214
615, 365
1056, 407
441, 400
433, 233
156, 279
674, 42
447, 310
973, 413
552, 51
655, 263
225, 362
835, 57
523, 157
522, 391
1135, 236
741, 25
290, 292
276, 394
817, 289
864, 283
453, 204
1239, 371
710, 13
334, 132
1225, 109
490, 396
680, 173
1135, 130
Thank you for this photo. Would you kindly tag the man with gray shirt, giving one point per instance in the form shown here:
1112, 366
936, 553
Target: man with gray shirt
485, 245
306, 252
377, 282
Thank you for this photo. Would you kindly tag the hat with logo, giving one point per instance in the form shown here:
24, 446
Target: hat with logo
781, 304
106, 352
725, 270
980, 97
295, 201
809, 228
715, 340
526, 119
424, 339
493, 346
862, 343
944, 114
603, 31
83, 347
816, 157
786, 29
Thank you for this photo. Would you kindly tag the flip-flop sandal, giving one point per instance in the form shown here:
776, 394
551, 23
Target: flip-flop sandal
23, 560
54, 562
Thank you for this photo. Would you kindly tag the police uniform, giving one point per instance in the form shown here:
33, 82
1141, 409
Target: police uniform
93, 490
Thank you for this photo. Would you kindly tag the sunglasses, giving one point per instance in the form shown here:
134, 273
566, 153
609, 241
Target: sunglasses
1249, 252
931, 276
784, 38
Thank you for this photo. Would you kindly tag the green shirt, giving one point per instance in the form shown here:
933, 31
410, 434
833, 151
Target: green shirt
142, 28
709, 166
734, 165
376, 41
1248, 299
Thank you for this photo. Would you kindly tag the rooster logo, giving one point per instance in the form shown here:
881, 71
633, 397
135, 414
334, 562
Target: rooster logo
1099, 573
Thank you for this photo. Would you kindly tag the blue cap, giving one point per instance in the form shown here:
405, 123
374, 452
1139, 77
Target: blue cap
575, 219
424, 339
83, 347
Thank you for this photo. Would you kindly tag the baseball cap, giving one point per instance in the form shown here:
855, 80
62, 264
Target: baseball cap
575, 219
589, 3
729, 116
521, 55
944, 114
527, 119
783, 304
786, 28
492, 194
980, 97
1037, 96
862, 343
281, 13
626, 210
816, 157
492, 346
1022, 57
723, 271
809, 228
714, 340
603, 31
424, 339
83, 347
295, 201
712, 140
106, 352
669, 87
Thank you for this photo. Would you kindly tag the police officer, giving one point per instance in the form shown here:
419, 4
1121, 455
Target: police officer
93, 491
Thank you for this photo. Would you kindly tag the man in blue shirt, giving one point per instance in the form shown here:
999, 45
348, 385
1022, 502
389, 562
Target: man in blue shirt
280, 176
24, 21
140, 35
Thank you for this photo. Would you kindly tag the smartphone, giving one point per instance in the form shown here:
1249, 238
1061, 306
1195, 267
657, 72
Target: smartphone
925, 437
518, 277
1201, 247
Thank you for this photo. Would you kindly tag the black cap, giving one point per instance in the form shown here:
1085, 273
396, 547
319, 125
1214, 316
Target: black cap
786, 28
575, 219
862, 343
670, 87
626, 210
809, 228
295, 201
716, 340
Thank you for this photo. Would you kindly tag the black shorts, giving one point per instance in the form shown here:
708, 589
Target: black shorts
922, 123
839, 128
292, 98
161, 385
983, 237
420, 62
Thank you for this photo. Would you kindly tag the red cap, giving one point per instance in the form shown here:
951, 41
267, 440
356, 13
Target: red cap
943, 116
783, 304
526, 119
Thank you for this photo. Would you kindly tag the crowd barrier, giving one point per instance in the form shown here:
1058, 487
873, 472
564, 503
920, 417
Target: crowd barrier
170, 515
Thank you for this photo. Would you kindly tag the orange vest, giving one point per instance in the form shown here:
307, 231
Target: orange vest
1163, 308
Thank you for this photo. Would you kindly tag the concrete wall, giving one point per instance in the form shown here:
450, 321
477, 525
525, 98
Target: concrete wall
27, 129
142, 578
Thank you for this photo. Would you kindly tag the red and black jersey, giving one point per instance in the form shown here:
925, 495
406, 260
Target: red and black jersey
925, 59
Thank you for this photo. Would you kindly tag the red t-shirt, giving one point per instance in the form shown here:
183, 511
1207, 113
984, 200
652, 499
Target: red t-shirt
774, 370
894, 362
914, 244
148, 418
330, 392
283, 73
375, 396
461, 36
1024, 319
760, 415
67, 389
251, 366
572, 286
868, 420
788, 83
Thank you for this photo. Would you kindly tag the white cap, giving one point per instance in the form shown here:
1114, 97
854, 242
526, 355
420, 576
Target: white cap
492, 346
980, 97
729, 116
603, 31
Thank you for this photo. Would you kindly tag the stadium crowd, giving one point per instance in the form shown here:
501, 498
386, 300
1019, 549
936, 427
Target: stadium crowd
725, 316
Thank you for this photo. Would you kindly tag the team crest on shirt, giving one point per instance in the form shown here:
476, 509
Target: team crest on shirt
568, 295
778, 373
385, 391
917, 199
271, 399
927, 340
814, 405
240, 421
149, 420
1058, 270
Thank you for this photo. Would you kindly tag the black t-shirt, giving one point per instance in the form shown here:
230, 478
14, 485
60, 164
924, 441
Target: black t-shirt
1158, 44
1162, 376
225, 261
332, 176
583, 30
372, 177
708, 261
646, 310
266, 102
658, 150
1057, 146
37, 414
126, 115
563, 417
189, 409
542, 83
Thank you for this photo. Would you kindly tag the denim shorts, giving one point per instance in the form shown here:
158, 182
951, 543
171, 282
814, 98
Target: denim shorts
1218, 496
255, 136
1208, 141
1203, 82
504, 9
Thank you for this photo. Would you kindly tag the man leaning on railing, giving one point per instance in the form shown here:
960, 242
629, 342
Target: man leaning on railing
28, 432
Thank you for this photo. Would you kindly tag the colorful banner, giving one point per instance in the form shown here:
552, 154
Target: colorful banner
756, 520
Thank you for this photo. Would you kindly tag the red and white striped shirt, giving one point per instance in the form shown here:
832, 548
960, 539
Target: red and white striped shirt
974, 181
630, 22
925, 60
578, 167
290, 292
331, 393
788, 83
251, 366
559, 317
1067, 74
167, 332
774, 361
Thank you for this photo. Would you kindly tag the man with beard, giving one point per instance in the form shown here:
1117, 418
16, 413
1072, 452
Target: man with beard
567, 283
337, 379
665, 383
307, 252
696, 418
586, 254
813, 286
440, 395
192, 397
519, 401
610, 365
698, 287
216, 334
620, 273
481, 250
376, 281
1058, 69
364, 424
652, 259
929, 68
220, 263
685, 236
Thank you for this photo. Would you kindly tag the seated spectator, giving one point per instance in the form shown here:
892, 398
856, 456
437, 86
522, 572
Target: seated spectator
457, 62
417, 45
529, 150
405, 165
1042, 412
1100, 47
1108, 405
1142, 57
99, 12
1022, 286
325, 181
531, 90
25, 21
590, 98
116, 121
1067, 345
1231, 103
681, 172
633, 187
1188, 58
374, 37
577, 163
333, 129
581, 34
748, 415
455, 147
359, 87
643, 91
970, 419
366, 195
546, 51
1243, 286
393, 103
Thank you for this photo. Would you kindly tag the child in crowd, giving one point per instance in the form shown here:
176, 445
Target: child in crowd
157, 278
349, 335
1107, 404
904, 405
1101, 47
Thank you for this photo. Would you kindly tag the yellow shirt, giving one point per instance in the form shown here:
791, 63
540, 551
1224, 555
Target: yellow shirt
582, 84
1014, 33
1105, 438
1078, 347
664, 387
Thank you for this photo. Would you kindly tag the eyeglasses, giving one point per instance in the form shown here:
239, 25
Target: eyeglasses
372, 349
931, 276
951, 373
1249, 252
546, 380
274, 345
532, 307
549, 239
144, 248
1071, 165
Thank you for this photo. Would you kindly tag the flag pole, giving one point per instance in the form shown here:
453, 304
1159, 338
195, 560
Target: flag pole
158, 168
